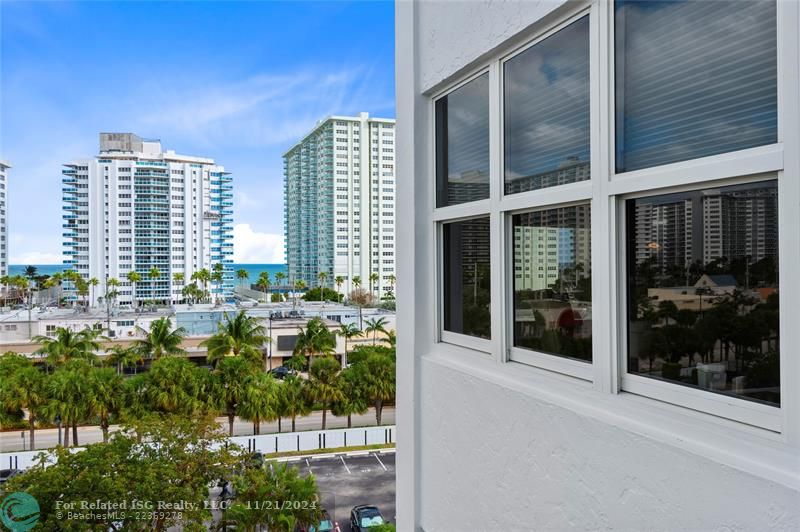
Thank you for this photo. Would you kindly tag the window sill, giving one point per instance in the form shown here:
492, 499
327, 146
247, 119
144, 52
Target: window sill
756, 451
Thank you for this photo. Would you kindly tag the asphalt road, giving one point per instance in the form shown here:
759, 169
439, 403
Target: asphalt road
46, 438
347, 481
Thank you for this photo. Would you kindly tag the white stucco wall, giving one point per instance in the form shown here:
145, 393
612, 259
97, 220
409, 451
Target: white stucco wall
501, 446
495, 459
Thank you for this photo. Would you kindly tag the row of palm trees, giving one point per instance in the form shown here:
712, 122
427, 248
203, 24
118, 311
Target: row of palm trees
76, 386
264, 282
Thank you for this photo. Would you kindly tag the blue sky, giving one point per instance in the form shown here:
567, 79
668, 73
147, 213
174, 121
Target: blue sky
236, 81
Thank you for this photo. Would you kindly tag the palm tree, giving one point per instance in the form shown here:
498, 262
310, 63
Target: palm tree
260, 400
30, 272
68, 345
174, 385
263, 284
93, 282
192, 292
339, 280
26, 389
67, 389
123, 357
204, 276
161, 340
133, 278
392, 281
321, 277
242, 275
102, 396
379, 381
357, 281
348, 331
376, 326
231, 378
353, 399
323, 384
154, 274
279, 277
316, 339
391, 338
242, 335
293, 398
373, 280
216, 277
299, 285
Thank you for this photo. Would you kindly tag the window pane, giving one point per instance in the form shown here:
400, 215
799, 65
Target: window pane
693, 79
466, 277
703, 289
546, 105
553, 281
462, 144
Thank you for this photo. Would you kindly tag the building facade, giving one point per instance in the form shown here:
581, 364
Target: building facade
4, 241
627, 340
136, 207
339, 204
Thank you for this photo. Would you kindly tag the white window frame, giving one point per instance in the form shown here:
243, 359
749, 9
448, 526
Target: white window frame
607, 192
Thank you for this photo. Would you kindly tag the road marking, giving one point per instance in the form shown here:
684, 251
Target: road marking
345, 465
379, 461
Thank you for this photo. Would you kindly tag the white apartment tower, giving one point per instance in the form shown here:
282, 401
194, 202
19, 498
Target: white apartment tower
4, 167
339, 193
136, 207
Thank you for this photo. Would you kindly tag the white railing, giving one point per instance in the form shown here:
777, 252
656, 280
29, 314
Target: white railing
314, 440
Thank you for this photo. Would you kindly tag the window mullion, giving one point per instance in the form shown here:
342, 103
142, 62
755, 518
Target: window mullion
496, 224
789, 215
604, 357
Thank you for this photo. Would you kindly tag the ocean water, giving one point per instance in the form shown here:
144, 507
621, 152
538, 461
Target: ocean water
253, 270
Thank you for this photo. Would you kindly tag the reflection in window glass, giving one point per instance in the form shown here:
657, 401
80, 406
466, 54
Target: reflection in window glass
546, 106
703, 289
466, 277
462, 144
552, 281
693, 79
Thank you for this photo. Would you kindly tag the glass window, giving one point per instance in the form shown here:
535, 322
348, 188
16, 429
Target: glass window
462, 144
466, 277
703, 289
546, 106
552, 281
693, 79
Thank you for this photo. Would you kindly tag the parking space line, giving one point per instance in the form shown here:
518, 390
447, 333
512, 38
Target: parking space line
379, 461
345, 465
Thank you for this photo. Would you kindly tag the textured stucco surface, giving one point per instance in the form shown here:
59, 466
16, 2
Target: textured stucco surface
495, 459
452, 34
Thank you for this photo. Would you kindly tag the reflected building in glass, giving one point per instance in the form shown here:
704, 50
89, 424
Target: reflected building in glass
703, 289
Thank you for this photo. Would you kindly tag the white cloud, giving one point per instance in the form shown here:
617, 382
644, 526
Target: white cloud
36, 257
252, 247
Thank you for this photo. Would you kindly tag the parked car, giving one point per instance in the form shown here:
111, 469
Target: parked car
364, 517
281, 372
326, 524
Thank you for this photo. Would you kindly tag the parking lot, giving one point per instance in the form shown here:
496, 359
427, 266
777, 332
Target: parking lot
347, 481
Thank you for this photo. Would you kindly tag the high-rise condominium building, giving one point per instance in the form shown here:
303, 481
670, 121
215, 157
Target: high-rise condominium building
4, 166
138, 208
339, 193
